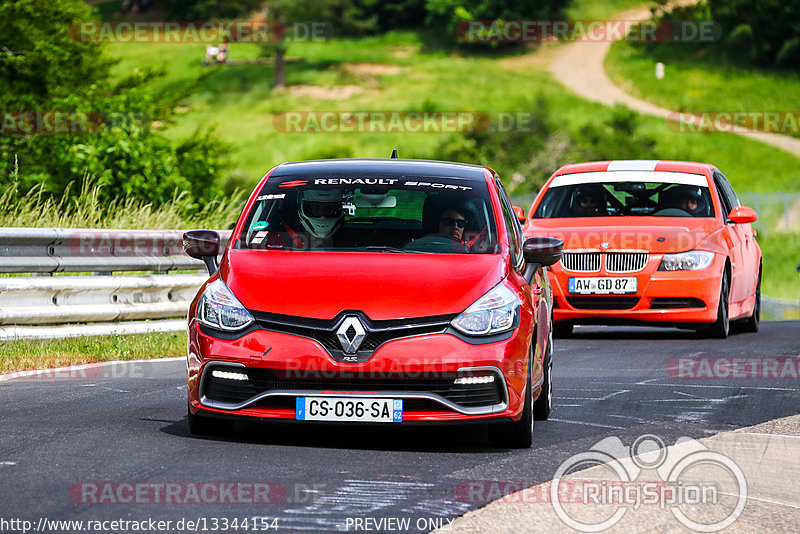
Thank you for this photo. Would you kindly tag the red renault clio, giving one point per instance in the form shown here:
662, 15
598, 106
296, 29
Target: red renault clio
375, 292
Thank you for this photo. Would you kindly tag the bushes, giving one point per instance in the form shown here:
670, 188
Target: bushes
43, 69
763, 32
770, 26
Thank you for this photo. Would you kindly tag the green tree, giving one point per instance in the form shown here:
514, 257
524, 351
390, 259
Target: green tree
109, 138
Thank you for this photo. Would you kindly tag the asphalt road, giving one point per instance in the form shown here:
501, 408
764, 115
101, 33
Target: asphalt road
68, 441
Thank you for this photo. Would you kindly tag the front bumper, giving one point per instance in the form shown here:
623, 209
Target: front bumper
685, 298
420, 370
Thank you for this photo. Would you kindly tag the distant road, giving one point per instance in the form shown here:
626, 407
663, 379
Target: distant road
579, 66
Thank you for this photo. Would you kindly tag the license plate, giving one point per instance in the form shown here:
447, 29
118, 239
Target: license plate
349, 409
602, 285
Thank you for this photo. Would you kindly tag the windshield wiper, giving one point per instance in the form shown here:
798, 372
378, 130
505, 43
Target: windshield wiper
385, 248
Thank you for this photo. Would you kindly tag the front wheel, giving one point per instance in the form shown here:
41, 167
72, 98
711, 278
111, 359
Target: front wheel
562, 330
198, 425
721, 327
517, 434
544, 403
753, 323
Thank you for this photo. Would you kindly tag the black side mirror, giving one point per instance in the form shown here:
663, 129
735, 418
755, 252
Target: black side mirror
540, 252
203, 245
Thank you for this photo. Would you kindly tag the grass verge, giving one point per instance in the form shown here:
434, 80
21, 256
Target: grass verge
21, 355
781, 252
697, 79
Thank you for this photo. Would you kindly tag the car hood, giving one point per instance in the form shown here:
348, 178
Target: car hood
654, 234
382, 285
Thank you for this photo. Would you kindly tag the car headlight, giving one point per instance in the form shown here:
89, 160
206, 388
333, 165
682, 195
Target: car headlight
495, 312
219, 308
686, 261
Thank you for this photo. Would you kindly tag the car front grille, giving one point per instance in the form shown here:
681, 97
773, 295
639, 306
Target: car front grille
377, 332
267, 380
581, 262
615, 262
603, 303
626, 262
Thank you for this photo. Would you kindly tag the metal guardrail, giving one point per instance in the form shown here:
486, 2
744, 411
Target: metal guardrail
51, 250
98, 300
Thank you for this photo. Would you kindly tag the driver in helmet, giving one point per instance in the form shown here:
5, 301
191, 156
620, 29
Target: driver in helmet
320, 212
689, 199
589, 201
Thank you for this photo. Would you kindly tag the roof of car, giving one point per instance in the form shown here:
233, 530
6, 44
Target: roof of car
414, 167
636, 165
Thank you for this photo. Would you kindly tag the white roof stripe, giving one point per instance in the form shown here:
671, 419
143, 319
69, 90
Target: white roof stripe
633, 165
683, 178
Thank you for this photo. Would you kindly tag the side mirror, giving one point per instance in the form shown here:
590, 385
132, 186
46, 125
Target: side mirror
540, 252
743, 214
203, 245
520, 214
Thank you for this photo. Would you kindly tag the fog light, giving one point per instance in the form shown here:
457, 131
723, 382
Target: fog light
228, 375
469, 380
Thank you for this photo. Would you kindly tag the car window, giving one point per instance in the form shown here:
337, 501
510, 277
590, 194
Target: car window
625, 199
387, 213
730, 200
512, 224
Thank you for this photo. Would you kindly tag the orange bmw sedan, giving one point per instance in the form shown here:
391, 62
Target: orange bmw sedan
650, 243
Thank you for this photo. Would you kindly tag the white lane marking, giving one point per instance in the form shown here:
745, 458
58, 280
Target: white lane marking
582, 389
614, 394
569, 405
585, 423
7, 462
686, 394
698, 399
737, 386
639, 419
115, 390
82, 367
605, 397
643, 382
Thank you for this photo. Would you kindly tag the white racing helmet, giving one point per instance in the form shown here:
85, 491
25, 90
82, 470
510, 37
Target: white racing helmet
320, 211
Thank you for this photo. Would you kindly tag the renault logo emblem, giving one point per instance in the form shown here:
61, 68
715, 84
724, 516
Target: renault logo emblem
351, 334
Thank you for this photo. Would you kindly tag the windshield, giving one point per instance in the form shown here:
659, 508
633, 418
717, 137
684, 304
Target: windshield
382, 214
614, 199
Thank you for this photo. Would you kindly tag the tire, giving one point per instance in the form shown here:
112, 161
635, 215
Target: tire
517, 434
544, 403
199, 425
722, 326
753, 323
562, 330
